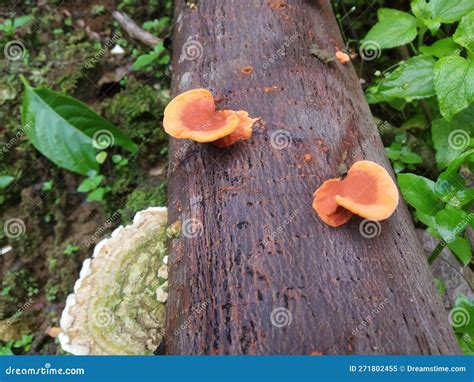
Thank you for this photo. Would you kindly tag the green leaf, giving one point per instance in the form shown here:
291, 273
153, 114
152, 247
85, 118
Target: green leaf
461, 249
97, 195
409, 157
441, 48
47, 186
392, 153
5, 181
466, 342
90, 184
464, 323
464, 196
418, 121
411, 80
144, 60
422, 10
464, 34
101, 157
63, 129
467, 157
398, 166
419, 192
452, 138
449, 11
450, 222
454, 84
22, 20
394, 28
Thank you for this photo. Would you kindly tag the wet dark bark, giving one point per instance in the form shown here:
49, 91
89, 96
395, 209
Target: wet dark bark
262, 249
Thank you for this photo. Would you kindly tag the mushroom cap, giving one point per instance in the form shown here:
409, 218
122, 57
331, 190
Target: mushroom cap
325, 204
368, 191
243, 131
192, 115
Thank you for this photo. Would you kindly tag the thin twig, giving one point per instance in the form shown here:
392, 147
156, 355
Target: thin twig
133, 30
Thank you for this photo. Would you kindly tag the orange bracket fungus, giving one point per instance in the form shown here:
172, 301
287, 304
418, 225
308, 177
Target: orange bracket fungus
367, 190
193, 115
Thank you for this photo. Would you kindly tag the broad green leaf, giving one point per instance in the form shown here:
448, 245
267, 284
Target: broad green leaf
422, 10
464, 196
461, 247
394, 28
454, 84
450, 186
450, 222
419, 192
447, 187
411, 80
441, 48
464, 158
464, 322
452, 138
464, 34
5, 181
449, 11
64, 129
55, 137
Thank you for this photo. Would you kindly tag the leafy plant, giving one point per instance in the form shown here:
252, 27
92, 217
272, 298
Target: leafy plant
24, 342
91, 185
9, 26
66, 131
443, 206
435, 81
442, 72
71, 249
158, 54
158, 25
461, 319
402, 156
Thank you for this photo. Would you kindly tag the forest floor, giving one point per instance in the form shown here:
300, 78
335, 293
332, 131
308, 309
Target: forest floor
64, 52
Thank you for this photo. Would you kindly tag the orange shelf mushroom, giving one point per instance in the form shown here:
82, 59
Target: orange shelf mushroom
367, 190
193, 115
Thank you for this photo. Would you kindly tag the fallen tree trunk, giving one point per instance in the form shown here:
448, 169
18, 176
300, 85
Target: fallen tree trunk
254, 270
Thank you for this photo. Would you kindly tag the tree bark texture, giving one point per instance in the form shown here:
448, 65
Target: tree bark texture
257, 272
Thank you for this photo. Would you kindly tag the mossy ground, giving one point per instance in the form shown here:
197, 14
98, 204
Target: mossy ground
64, 51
